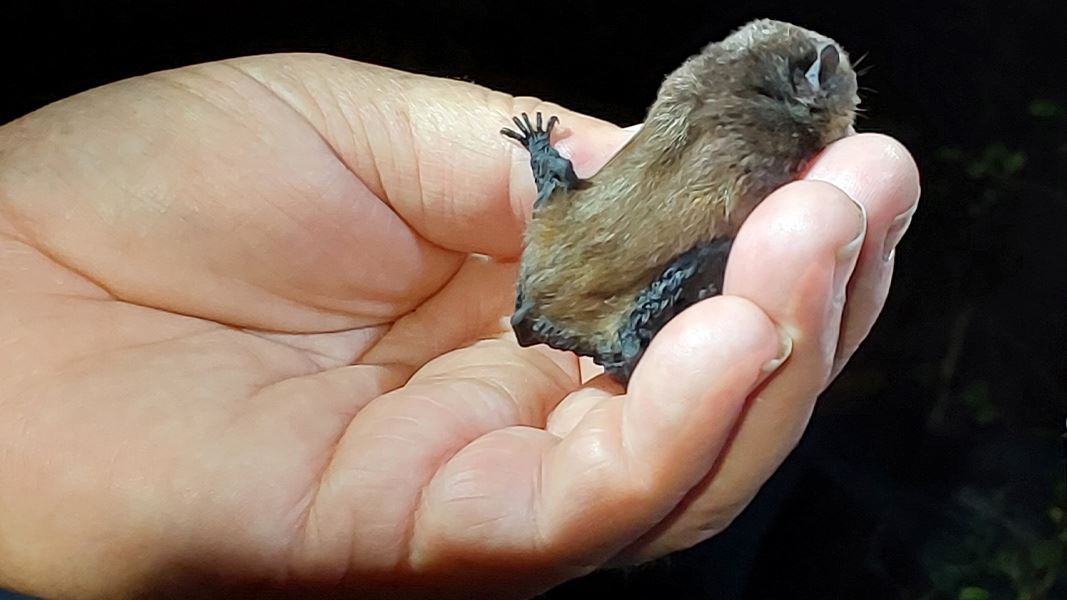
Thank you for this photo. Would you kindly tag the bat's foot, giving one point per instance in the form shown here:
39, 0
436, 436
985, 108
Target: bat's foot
531, 331
550, 170
533, 136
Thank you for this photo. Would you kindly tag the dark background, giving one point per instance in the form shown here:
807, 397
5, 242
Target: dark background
933, 467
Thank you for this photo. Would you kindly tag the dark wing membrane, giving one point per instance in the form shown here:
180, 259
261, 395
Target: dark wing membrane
693, 276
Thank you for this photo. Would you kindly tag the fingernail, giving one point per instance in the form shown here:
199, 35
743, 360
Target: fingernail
895, 232
785, 348
846, 254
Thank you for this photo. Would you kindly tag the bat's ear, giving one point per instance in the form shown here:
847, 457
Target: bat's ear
824, 67
830, 57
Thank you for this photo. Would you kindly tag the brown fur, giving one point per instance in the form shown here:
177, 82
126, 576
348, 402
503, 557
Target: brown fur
726, 129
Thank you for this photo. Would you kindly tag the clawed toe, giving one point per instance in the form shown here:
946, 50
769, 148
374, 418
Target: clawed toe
527, 130
513, 134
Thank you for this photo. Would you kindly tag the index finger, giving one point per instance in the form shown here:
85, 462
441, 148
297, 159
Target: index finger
431, 147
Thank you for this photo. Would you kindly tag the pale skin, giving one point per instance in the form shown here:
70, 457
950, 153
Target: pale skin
251, 339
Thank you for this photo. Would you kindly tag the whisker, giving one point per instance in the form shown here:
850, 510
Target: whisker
864, 70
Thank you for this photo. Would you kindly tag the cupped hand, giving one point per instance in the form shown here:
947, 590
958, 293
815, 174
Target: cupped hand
253, 321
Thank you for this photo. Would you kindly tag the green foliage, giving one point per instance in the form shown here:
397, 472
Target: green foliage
995, 552
1044, 108
973, 593
976, 397
1005, 534
996, 161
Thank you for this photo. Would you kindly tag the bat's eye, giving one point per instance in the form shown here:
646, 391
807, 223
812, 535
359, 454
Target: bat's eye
765, 91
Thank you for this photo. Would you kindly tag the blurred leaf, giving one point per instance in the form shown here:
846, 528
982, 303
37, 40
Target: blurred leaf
977, 170
949, 153
977, 398
1044, 108
997, 160
1046, 554
1056, 515
1014, 163
973, 593
1007, 562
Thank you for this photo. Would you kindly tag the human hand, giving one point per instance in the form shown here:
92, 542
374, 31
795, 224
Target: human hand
253, 326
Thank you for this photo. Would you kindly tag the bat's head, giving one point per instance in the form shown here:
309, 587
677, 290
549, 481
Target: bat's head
791, 74
750, 112
768, 78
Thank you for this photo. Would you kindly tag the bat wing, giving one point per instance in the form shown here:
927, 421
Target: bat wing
691, 277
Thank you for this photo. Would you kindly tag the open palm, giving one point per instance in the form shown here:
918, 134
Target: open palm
253, 325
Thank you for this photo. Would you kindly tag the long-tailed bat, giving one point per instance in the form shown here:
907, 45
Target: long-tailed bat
607, 261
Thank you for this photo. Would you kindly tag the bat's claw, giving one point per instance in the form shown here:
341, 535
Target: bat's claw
529, 133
